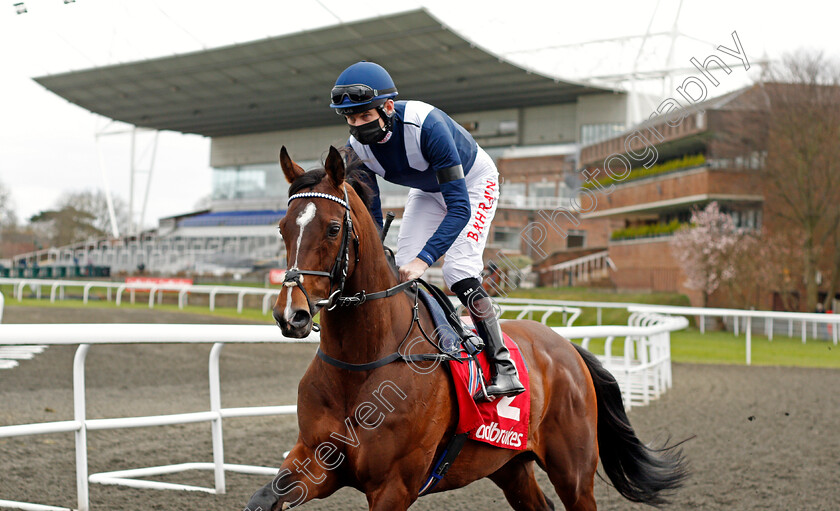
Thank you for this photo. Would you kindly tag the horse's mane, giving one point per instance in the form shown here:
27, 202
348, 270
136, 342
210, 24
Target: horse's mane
354, 174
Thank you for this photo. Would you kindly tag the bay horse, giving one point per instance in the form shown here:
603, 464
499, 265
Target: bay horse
379, 427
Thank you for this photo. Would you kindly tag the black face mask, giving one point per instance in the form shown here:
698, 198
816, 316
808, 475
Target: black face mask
369, 133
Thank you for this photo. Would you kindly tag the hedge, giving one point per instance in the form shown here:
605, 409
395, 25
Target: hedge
646, 231
685, 162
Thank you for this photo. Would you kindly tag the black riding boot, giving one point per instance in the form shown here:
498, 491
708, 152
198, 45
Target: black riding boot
504, 380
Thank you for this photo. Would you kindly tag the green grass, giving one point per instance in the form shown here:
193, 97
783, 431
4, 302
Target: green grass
142, 302
589, 316
689, 346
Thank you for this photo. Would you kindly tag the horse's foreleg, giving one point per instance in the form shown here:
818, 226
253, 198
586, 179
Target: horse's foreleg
301, 478
391, 498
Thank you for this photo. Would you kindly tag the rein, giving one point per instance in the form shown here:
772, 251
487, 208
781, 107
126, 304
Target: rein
398, 355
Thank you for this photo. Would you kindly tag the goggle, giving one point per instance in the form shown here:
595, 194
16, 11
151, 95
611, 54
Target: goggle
356, 93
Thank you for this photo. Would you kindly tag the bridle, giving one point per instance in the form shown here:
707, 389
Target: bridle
338, 277
338, 273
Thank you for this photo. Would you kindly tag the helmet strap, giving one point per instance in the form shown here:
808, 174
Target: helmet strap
388, 119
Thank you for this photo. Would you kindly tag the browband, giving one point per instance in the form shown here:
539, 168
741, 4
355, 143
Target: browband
320, 195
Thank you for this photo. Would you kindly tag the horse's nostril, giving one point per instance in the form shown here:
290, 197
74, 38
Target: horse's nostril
300, 319
278, 317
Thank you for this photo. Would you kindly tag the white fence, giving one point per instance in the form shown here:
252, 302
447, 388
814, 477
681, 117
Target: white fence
115, 290
87, 335
748, 316
643, 371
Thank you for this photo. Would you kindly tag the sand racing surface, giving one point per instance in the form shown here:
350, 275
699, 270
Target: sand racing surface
767, 438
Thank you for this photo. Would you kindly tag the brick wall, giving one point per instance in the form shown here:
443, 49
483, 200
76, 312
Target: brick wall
677, 185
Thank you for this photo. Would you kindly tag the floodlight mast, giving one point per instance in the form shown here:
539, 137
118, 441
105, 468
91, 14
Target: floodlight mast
136, 167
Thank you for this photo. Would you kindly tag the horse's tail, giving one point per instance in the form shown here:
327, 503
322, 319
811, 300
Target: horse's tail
639, 473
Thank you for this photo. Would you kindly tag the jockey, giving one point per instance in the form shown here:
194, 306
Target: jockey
454, 191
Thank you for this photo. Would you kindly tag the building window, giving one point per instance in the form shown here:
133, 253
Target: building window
471, 126
506, 237
513, 193
543, 189
592, 133
576, 238
508, 127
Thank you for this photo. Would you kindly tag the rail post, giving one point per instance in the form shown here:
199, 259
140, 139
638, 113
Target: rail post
213, 298
80, 416
152, 290
216, 425
749, 340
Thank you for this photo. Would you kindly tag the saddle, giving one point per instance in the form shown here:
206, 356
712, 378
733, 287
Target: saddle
452, 332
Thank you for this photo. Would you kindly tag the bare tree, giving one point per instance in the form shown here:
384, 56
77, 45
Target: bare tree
766, 261
8, 218
802, 168
95, 203
78, 216
64, 226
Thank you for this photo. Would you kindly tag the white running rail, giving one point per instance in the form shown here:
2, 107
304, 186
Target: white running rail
86, 335
643, 371
832, 320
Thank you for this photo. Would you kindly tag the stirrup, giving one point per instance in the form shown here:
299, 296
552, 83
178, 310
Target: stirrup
481, 396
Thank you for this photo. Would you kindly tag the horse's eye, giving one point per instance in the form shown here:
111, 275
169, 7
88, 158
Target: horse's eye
334, 230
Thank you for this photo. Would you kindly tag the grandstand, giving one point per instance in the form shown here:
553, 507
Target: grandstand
251, 98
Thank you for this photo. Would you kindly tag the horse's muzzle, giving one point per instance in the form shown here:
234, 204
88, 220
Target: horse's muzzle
263, 500
298, 326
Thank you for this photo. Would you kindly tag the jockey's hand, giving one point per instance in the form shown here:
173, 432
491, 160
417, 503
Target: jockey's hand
413, 270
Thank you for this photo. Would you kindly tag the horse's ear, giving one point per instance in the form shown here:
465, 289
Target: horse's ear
335, 167
291, 169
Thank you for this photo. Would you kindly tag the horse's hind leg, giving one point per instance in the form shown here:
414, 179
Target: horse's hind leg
573, 476
516, 479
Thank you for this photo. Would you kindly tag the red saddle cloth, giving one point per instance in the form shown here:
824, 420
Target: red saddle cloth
502, 422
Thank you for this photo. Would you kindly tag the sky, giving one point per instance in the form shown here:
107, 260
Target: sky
48, 145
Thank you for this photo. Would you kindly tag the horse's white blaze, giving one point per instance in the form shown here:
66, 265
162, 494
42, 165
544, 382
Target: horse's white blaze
303, 220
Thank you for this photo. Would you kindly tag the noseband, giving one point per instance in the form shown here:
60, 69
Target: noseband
338, 273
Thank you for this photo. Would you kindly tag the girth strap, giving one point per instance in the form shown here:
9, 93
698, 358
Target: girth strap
393, 357
447, 458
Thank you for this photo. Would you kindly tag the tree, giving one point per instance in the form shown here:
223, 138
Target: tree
8, 218
706, 250
802, 168
766, 261
95, 203
64, 226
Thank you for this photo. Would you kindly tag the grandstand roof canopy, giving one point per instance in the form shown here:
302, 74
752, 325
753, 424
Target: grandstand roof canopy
284, 82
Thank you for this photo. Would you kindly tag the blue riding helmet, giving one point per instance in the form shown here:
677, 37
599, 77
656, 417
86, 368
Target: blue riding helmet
360, 87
